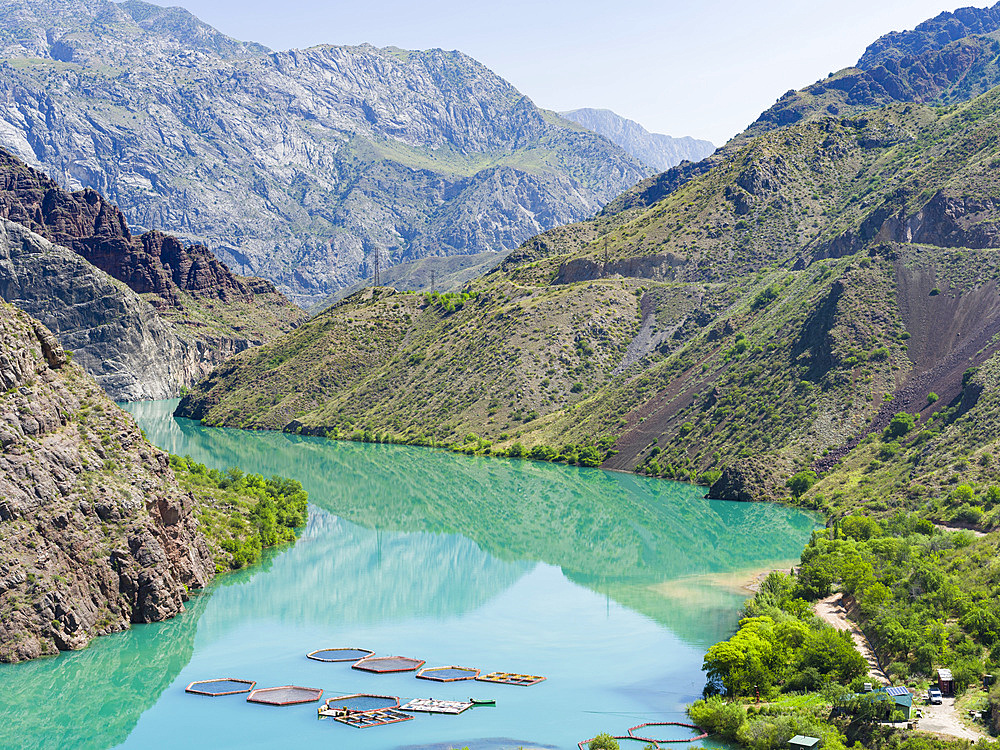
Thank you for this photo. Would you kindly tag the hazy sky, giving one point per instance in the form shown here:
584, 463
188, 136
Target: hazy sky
705, 68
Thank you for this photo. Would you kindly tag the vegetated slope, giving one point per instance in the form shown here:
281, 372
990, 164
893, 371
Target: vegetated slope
168, 315
947, 60
298, 166
657, 151
430, 274
758, 317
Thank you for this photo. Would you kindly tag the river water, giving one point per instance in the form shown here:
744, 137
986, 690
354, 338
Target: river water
610, 585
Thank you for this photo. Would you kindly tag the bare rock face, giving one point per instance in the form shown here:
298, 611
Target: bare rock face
746, 480
657, 151
146, 316
86, 223
115, 334
297, 166
95, 533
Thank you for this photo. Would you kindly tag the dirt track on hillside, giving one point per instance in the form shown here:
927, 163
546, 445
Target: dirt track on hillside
833, 611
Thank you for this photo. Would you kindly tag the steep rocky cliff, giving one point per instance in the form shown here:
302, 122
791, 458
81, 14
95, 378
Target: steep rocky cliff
95, 533
146, 316
658, 152
117, 336
298, 166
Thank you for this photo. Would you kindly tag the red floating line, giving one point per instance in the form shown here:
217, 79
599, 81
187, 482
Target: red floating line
701, 736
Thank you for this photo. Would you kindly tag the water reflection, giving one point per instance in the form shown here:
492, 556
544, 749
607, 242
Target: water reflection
619, 534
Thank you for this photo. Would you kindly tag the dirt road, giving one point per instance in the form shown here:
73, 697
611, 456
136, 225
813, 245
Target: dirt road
942, 719
832, 610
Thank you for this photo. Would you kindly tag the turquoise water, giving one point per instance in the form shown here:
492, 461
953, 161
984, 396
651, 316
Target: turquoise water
610, 585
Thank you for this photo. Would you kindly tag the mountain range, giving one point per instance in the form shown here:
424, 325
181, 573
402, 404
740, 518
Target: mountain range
298, 166
656, 151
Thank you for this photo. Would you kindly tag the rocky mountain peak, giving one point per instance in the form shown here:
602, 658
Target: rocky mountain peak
298, 166
658, 152
931, 35
94, 32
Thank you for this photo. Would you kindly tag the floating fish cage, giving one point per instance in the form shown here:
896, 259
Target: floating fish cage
377, 718
434, 706
448, 674
510, 678
286, 695
339, 654
220, 686
701, 733
655, 742
357, 703
388, 664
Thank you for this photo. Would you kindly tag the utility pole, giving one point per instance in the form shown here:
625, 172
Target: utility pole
432, 281
375, 276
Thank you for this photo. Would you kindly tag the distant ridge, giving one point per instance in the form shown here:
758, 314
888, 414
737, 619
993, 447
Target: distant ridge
299, 166
659, 152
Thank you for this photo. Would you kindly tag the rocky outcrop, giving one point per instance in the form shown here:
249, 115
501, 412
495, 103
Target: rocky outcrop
746, 480
947, 66
146, 316
153, 263
298, 166
113, 333
95, 534
658, 152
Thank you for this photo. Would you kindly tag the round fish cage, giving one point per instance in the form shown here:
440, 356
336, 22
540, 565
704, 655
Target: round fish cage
448, 674
360, 702
388, 664
285, 695
700, 733
220, 686
339, 654
624, 737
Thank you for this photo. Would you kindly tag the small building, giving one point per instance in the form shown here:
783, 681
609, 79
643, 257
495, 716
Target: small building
946, 683
802, 742
902, 698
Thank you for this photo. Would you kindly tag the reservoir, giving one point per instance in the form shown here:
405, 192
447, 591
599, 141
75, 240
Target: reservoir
610, 585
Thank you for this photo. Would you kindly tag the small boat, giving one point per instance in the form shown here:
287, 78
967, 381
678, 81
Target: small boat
483, 701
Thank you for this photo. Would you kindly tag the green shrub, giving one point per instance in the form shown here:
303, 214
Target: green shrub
717, 716
604, 742
800, 483
901, 424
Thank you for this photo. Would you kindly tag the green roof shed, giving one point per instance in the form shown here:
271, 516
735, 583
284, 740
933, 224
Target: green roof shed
802, 742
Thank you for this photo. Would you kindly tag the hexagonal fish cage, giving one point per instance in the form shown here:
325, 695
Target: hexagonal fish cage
285, 695
339, 654
220, 686
448, 674
357, 702
388, 664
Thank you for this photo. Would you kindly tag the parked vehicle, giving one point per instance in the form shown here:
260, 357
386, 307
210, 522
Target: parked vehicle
934, 696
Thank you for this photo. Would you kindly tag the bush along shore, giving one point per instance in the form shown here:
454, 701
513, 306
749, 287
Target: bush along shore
925, 598
241, 515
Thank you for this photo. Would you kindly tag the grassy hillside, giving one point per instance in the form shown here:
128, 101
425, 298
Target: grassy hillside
766, 318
